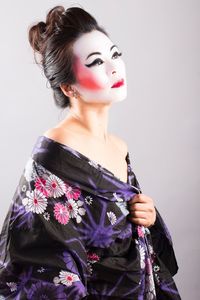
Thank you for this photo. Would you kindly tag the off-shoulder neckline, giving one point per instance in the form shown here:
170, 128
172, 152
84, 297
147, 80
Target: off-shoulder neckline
90, 162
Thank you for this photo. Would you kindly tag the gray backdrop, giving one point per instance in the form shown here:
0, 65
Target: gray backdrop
159, 119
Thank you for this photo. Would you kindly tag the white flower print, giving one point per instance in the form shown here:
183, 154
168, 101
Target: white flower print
67, 278
142, 256
35, 202
75, 209
28, 171
24, 188
12, 286
89, 267
55, 186
112, 217
150, 295
117, 197
88, 200
41, 270
150, 286
46, 215
156, 268
78, 219
81, 211
72, 208
2, 297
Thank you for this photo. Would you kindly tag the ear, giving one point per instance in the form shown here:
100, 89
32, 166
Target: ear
66, 89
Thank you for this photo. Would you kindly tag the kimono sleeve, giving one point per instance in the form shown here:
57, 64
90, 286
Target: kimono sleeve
163, 245
161, 239
44, 255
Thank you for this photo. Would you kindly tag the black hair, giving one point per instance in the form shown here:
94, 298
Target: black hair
53, 41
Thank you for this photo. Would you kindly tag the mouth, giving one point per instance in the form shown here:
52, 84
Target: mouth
118, 83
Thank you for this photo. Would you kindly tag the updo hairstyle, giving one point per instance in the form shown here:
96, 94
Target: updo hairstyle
53, 40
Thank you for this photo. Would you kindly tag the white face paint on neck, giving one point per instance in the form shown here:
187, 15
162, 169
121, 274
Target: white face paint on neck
96, 74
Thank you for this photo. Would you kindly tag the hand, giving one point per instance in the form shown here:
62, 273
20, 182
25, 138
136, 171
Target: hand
142, 210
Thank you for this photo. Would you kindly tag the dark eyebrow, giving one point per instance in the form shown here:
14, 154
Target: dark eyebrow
94, 53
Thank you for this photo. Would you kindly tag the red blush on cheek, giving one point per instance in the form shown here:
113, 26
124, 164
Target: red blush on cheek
85, 78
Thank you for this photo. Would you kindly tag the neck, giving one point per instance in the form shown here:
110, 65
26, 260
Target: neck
93, 119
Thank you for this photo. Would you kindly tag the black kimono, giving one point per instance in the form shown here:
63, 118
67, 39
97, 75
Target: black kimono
67, 235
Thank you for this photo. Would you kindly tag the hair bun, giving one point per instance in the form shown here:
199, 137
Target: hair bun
54, 19
36, 35
41, 31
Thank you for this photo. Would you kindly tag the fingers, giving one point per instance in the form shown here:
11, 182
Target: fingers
140, 198
141, 222
142, 210
140, 207
140, 214
141, 218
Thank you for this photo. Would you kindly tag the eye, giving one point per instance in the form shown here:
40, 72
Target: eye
97, 61
116, 54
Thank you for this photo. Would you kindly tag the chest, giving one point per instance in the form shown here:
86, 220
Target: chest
108, 156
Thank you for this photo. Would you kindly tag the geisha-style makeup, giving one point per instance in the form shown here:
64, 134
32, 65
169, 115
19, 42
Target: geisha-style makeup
99, 69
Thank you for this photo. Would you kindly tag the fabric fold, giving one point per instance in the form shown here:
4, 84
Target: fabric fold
67, 235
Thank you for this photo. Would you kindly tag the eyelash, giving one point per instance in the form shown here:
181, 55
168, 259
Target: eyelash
96, 61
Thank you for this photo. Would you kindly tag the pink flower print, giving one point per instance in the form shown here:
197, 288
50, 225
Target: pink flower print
55, 186
72, 192
140, 231
67, 278
61, 213
93, 257
148, 266
40, 185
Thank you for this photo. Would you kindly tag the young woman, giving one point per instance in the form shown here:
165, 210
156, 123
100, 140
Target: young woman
79, 226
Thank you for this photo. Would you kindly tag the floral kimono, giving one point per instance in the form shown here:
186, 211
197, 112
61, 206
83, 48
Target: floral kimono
67, 236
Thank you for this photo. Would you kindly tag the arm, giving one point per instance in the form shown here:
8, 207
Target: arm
44, 253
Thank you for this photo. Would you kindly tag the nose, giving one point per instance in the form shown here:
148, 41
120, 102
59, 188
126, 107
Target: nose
111, 68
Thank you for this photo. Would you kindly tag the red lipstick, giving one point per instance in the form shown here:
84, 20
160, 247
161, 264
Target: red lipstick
118, 83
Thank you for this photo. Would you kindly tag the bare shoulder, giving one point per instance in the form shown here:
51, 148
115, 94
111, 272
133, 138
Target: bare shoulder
68, 138
59, 135
121, 144
52, 133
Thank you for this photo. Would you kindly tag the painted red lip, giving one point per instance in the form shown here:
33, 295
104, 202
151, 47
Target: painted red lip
118, 83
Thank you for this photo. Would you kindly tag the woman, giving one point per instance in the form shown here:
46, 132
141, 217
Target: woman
79, 226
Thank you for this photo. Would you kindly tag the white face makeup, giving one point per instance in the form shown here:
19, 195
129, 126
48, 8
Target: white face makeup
98, 66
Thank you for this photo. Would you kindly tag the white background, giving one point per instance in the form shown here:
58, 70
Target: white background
159, 119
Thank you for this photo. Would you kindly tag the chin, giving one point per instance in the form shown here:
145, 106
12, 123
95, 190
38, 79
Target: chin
121, 97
